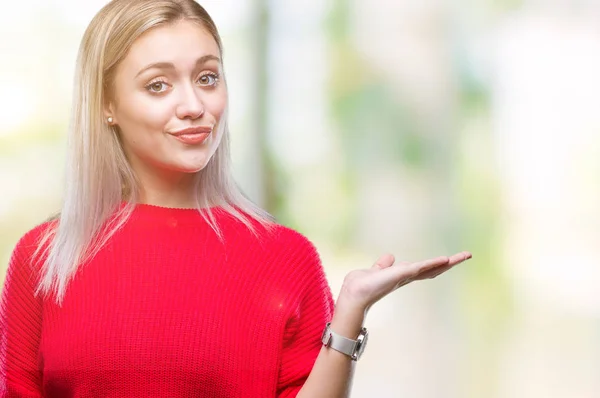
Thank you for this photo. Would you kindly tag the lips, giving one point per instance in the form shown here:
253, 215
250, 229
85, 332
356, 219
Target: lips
192, 135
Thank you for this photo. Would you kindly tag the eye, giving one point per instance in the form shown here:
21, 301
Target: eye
208, 79
157, 86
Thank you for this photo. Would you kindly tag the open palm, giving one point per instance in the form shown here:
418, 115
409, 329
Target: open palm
364, 287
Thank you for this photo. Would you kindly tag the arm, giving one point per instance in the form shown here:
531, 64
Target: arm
332, 373
20, 325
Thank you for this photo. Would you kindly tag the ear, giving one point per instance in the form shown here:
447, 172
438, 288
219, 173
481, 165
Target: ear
109, 111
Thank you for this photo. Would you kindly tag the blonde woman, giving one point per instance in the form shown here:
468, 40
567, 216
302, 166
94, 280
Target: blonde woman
159, 278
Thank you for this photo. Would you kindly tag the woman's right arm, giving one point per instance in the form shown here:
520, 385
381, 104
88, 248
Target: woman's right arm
20, 326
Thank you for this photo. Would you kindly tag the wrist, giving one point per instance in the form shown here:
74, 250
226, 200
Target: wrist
347, 320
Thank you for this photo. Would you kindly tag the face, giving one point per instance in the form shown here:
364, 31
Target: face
168, 100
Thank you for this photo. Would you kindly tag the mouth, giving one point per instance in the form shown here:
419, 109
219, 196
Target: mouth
192, 135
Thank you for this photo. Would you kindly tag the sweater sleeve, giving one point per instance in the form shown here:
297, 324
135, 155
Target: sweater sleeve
20, 327
302, 335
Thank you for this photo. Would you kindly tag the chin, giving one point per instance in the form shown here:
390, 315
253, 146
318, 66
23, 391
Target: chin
191, 167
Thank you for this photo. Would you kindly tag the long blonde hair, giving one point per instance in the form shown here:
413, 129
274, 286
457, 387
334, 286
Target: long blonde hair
99, 178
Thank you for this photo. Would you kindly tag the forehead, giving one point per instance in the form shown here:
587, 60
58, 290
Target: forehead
181, 43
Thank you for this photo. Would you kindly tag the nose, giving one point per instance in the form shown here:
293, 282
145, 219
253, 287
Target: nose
190, 104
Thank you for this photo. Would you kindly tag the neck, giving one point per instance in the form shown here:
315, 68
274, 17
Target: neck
165, 198
166, 188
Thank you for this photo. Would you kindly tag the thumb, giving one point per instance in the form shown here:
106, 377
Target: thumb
384, 261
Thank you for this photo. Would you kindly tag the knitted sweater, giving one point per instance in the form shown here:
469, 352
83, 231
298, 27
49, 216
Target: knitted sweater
166, 309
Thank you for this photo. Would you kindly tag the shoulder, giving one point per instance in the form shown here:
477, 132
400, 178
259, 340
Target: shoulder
279, 243
298, 259
26, 258
274, 235
31, 240
294, 251
287, 237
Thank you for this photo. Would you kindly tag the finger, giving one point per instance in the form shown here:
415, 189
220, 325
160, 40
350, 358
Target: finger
427, 265
384, 261
411, 271
435, 272
453, 261
460, 257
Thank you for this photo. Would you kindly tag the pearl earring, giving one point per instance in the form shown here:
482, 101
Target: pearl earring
109, 120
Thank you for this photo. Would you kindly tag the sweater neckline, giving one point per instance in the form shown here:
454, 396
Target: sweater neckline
143, 211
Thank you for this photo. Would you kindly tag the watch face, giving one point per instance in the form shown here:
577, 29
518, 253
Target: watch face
362, 340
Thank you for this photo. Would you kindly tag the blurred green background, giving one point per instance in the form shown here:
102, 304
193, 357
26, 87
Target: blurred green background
414, 127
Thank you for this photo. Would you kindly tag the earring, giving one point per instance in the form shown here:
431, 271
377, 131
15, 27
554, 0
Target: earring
109, 119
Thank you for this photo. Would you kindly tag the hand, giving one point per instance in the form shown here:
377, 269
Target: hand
363, 288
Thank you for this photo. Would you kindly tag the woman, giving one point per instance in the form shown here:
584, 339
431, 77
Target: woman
159, 278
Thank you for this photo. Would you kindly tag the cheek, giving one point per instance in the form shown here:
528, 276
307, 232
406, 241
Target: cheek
142, 123
147, 115
217, 105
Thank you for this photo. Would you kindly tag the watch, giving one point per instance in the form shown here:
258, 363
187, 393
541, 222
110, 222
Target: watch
352, 348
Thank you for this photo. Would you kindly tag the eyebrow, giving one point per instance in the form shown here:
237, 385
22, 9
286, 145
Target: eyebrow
168, 65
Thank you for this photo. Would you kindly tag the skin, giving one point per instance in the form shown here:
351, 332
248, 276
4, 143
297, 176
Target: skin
332, 373
148, 104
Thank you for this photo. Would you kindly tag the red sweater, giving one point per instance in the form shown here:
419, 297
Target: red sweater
165, 309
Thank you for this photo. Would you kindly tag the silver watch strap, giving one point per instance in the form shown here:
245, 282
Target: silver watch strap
352, 348
342, 344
